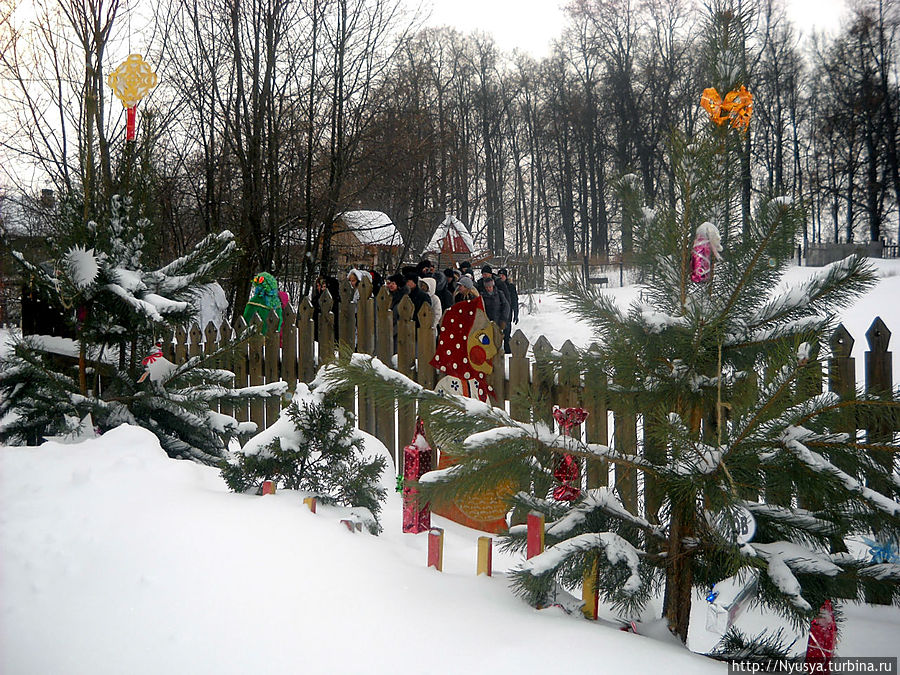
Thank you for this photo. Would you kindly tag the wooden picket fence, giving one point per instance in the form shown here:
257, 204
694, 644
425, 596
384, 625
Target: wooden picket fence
369, 324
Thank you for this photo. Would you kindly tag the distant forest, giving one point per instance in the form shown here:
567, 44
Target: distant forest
271, 117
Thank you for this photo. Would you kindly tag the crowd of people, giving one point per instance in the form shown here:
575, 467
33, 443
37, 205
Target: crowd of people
441, 289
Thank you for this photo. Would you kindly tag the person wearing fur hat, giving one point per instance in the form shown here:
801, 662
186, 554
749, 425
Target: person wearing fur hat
512, 294
465, 290
263, 300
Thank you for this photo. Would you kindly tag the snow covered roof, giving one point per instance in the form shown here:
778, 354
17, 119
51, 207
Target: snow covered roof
371, 227
458, 234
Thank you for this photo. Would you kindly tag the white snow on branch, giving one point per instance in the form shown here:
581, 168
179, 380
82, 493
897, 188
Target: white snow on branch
605, 499
882, 571
796, 517
792, 438
656, 322
83, 266
799, 558
617, 550
704, 460
782, 577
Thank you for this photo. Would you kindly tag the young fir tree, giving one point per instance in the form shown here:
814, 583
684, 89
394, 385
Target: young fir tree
726, 374
315, 447
118, 309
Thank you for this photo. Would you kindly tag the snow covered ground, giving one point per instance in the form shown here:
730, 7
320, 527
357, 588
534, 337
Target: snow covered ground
115, 559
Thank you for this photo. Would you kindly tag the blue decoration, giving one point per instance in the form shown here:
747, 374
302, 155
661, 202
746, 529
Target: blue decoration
711, 598
883, 551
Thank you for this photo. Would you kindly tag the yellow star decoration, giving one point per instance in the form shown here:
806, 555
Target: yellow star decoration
736, 109
132, 80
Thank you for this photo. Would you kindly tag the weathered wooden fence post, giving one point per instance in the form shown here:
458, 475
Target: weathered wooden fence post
625, 437
406, 359
289, 348
384, 346
257, 406
365, 344
210, 337
240, 366
271, 370
306, 338
227, 362
596, 425
842, 376
519, 377
326, 329
497, 378
180, 344
195, 346
347, 315
425, 344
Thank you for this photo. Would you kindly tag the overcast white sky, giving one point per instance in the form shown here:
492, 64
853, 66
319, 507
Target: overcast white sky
530, 25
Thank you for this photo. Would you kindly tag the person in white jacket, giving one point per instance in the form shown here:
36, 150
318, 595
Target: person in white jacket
429, 285
355, 276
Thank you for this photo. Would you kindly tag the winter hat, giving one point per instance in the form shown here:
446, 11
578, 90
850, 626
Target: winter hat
466, 282
397, 279
489, 282
423, 265
487, 269
411, 276
448, 273
503, 271
464, 265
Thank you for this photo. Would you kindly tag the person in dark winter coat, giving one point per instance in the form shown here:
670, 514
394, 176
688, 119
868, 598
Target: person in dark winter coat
445, 287
417, 295
396, 285
495, 304
512, 294
488, 273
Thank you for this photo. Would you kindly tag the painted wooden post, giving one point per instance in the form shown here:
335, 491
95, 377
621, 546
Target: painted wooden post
227, 362
519, 377
257, 407
271, 370
535, 531
352, 525
485, 556
589, 592
240, 368
596, 426
310, 503
384, 350
195, 346
268, 487
306, 338
365, 344
436, 548
326, 328
406, 358
289, 348
425, 344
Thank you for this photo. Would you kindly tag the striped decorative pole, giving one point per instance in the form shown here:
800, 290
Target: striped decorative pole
268, 487
311, 503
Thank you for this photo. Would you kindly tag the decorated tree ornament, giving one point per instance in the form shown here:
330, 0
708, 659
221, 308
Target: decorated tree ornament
736, 109
132, 81
156, 366
706, 247
567, 471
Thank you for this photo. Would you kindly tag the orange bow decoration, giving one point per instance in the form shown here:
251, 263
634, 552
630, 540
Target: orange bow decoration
736, 109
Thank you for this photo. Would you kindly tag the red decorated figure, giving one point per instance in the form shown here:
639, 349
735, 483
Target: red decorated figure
416, 462
822, 638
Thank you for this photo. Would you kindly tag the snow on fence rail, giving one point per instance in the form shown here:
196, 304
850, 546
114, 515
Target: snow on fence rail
370, 323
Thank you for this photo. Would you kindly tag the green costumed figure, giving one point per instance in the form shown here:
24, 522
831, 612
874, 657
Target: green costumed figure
264, 300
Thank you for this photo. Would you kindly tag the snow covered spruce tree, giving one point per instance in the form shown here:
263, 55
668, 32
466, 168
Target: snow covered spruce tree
119, 309
314, 447
725, 367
